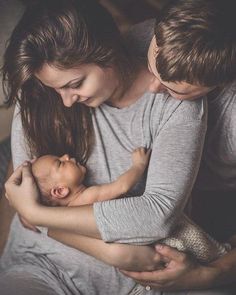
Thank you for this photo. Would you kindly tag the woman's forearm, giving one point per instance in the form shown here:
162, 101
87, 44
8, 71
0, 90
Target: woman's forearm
123, 256
79, 220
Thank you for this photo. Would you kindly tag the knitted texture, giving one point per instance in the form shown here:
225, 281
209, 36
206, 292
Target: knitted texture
189, 237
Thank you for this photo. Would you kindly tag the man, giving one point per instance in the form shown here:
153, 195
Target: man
193, 53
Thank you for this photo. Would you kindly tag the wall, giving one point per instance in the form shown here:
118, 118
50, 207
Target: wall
10, 10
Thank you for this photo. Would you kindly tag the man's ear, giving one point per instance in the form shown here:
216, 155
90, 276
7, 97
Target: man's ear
60, 192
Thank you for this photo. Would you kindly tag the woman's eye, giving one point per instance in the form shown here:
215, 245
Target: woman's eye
77, 85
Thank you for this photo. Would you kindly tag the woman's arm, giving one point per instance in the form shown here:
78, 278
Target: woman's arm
177, 135
22, 193
183, 273
121, 185
124, 256
174, 162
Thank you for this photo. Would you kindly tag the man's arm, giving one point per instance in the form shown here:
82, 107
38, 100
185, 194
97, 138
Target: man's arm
182, 273
122, 185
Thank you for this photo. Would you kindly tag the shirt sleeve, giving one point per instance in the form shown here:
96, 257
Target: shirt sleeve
174, 163
19, 147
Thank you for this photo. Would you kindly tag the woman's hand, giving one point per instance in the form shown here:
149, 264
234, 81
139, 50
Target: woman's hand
180, 273
22, 191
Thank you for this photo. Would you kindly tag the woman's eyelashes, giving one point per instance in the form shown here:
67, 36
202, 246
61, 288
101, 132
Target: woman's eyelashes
77, 84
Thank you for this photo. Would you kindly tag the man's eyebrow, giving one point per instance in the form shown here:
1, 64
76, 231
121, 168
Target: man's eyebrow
180, 93
68, 84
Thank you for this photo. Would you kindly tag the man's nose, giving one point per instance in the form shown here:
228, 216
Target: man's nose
156, 86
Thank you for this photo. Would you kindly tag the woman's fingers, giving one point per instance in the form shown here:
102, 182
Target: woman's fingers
15, 178
27, 173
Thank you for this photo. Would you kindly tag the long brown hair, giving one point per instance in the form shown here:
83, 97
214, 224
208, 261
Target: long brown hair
66, 34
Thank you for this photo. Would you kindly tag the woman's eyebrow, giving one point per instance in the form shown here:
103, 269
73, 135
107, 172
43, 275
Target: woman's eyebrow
68, 84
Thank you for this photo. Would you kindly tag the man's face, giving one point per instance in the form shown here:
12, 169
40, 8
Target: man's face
180, 90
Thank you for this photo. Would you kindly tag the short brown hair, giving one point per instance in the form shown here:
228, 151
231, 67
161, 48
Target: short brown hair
196, 42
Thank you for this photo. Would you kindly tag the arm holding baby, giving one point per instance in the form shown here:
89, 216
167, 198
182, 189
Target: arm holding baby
121, 186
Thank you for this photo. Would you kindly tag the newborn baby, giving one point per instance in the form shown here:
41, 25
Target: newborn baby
60, 181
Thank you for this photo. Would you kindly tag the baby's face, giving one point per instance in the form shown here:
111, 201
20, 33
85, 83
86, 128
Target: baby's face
62, 171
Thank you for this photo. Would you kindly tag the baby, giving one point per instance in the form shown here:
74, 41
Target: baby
60, 181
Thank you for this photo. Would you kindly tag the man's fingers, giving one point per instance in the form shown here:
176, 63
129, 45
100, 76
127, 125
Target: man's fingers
169, 253
148, 278
141, 276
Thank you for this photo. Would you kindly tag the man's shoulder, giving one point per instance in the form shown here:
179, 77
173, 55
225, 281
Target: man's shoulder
139, 36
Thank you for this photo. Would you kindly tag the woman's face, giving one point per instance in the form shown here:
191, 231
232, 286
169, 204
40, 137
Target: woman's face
88, 84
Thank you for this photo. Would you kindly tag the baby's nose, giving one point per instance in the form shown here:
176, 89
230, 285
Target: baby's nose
65, 157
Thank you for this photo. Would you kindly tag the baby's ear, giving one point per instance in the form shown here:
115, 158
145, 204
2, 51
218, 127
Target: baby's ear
60, 192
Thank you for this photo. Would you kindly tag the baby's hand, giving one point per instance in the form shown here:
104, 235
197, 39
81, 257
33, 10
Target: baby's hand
140, 157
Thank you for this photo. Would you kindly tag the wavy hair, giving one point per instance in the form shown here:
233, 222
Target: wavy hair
65, 34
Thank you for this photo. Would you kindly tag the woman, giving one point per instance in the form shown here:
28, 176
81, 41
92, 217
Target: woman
71, 53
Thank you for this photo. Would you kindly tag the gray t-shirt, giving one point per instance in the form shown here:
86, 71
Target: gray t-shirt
175, 131
218, 165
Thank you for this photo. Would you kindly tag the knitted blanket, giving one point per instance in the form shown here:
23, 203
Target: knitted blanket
190, 238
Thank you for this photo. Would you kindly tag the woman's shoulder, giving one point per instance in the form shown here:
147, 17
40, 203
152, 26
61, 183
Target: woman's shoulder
179, 110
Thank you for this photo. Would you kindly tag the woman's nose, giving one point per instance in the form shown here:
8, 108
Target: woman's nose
68, 98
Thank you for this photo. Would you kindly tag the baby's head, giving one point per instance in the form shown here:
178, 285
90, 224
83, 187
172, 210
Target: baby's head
58, 178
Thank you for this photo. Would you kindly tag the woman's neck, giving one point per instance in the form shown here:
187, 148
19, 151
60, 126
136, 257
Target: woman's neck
137, 85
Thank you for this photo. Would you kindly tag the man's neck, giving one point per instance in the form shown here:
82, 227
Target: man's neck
214, 93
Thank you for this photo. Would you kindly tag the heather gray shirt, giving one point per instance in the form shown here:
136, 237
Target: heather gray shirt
174, 130
218, 165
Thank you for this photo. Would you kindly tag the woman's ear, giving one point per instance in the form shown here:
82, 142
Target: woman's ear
60, 192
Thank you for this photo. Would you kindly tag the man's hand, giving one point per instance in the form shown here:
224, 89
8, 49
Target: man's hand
22, 191
180, 272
